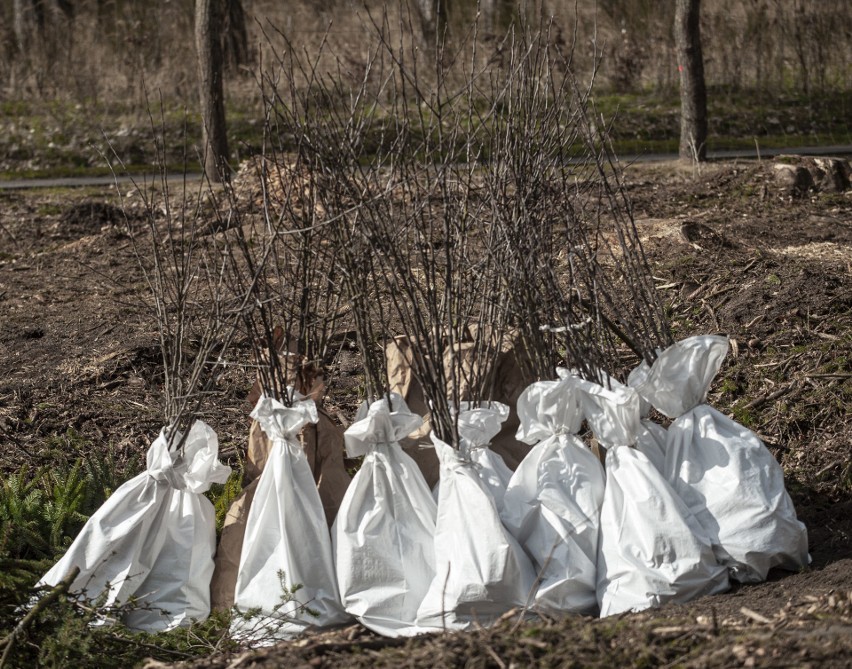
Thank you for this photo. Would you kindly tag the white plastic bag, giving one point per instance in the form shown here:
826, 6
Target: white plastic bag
553, 501
287, 542
735, 487
653, 550
651, 442
154, 538
385, 528
681, 375
650, 436
481, 423
722, 470
481, 570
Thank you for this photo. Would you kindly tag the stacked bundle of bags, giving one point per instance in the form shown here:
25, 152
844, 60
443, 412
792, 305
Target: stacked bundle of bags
671, 515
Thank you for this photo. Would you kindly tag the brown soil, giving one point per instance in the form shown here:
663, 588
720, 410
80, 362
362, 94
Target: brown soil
731, 253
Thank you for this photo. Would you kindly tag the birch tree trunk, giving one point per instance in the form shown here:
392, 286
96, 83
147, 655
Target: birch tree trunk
693, 94
20, 23
208, 30
433, 16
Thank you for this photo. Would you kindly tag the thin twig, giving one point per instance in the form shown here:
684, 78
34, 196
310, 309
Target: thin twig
44, 602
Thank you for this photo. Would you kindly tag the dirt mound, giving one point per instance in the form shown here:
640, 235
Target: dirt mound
88, 218
804, 621
744, 205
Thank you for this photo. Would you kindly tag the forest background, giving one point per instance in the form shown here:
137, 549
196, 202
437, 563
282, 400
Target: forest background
731, 248
78, 74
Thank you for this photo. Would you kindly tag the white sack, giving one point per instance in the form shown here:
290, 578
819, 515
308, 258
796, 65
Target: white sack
735, 487
480, 425
722, 470
385, 528
286, 537
154, 538
553, 501
681, 375
481, 570
653, 550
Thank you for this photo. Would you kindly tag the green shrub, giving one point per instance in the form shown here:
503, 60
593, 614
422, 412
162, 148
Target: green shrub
41, 512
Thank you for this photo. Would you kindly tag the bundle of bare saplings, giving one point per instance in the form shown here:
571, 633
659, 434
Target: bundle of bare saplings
464, 228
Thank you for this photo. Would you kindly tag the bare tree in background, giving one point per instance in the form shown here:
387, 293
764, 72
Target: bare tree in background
23, 18
32, 17
235, 49
209, 21
433, 17
693, 93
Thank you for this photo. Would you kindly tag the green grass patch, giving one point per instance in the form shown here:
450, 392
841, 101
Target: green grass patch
62, 139
71, 171
744, 416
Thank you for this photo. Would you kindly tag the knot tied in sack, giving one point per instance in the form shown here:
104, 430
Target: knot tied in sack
194, 466
449, 457
613, 413
549, 409
681, 375
282, 423
382, 423
478, 425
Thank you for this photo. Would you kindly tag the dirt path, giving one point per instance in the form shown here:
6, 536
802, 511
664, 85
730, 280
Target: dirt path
142, 179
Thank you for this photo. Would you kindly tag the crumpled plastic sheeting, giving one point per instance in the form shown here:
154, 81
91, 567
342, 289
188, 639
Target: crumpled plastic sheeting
651, 442
650, 437
287, 542
722, 470
154, 538
613, 413
653, 550
384, 532
481, 570
553, 501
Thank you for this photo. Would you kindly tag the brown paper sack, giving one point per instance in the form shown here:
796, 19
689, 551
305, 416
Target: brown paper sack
509, 381
227, 562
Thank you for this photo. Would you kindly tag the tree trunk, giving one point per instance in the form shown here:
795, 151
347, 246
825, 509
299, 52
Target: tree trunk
27, 15
20, 21
42, 25
488, 10
433, 17
693, 94
208, 30
234, 36
497, 15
